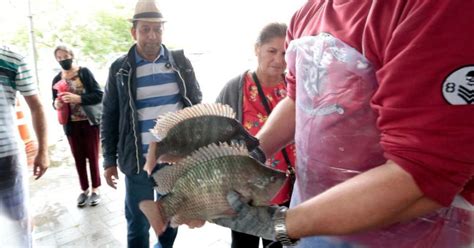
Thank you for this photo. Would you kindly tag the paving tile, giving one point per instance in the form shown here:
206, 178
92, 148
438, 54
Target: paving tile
100, 237
67, 235
113, 219
119, 232
58, 222
78, 242
92, 227
47, 241
113, 244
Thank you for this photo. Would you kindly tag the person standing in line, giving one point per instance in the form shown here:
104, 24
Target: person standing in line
82, 102
253, 95
15, 76
148, 81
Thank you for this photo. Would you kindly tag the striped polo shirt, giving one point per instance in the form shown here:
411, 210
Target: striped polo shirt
157, 93
15, 76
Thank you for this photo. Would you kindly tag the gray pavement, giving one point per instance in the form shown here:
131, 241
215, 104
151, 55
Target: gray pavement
58, 222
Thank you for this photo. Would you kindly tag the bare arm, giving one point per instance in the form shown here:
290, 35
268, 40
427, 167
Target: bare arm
279, 129
151, 158
376, 198
39, 124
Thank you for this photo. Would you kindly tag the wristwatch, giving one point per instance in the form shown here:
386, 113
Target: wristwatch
279, 226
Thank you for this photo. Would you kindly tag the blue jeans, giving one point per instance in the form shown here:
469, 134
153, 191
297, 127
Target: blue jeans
139, 187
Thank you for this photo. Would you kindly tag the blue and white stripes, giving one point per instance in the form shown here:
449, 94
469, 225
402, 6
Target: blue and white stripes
157, 93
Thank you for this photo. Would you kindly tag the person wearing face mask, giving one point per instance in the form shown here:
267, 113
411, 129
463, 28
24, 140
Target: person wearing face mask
79, 96
253, 95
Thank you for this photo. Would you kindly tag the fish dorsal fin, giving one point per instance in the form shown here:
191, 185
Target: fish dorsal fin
213, 151
165, 122
166, 177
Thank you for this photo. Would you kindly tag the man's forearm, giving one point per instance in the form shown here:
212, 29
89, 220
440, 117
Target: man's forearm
39, 122
279, 129
376, 198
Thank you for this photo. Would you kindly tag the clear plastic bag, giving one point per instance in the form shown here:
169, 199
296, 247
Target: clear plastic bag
337, 138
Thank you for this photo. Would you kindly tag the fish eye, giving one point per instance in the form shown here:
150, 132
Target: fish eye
260, 183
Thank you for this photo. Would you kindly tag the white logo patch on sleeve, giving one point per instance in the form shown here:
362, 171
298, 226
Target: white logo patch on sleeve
458, 87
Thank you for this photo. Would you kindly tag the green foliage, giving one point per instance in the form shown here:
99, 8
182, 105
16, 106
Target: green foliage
97, 37
21, 38
110, 36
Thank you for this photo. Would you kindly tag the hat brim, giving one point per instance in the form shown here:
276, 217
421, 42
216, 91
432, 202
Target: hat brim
147, 19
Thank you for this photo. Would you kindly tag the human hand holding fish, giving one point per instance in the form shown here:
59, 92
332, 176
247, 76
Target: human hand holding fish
196, 188
151, 158
257, 221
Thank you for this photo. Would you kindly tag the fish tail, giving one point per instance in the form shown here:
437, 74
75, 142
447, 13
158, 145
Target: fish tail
153, 211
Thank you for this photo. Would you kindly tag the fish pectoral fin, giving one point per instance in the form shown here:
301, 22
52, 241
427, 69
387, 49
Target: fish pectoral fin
153, 211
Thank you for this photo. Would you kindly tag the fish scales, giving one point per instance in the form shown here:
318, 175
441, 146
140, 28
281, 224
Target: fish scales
183, 132
206, 185
198, 132
207, 202
201, 189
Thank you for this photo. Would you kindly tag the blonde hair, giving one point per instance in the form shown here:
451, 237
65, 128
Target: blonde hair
65, 49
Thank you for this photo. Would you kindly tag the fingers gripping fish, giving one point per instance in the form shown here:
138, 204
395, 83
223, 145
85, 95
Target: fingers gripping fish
196, 187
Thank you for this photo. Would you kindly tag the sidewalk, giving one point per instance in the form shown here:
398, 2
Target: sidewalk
58, 222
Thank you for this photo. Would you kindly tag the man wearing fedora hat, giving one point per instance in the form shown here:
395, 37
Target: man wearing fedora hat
148, 81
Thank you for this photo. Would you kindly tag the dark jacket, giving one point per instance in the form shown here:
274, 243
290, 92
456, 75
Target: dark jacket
90, 99
232, 94
120, 132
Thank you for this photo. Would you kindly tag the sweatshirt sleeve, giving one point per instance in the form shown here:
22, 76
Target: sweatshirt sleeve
425, 99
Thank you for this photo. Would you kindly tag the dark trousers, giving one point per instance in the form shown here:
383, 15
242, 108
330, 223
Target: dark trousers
139, 187
12, 188
243, 240
84, 142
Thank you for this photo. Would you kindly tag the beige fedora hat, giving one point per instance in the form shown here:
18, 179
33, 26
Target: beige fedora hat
147, 10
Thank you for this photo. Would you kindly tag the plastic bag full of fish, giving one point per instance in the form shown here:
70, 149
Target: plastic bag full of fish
183, 132
196, 187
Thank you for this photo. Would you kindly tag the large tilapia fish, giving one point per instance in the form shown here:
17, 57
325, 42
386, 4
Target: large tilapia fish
196, 187
182, 132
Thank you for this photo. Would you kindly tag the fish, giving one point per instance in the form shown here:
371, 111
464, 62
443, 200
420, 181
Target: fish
195, 188
181, 133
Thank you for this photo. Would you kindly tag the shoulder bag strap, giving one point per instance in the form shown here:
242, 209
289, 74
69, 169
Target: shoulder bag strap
267, 108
